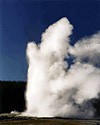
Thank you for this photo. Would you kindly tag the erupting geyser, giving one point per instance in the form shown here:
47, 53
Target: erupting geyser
55, 89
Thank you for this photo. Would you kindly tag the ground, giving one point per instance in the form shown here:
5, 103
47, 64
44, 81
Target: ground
13, 119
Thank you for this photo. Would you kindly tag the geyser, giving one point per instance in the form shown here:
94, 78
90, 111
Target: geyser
56, 88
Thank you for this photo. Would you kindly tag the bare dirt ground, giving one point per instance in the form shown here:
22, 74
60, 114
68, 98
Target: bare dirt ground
12, 119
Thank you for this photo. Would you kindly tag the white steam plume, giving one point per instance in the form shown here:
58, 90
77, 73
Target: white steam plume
54, 89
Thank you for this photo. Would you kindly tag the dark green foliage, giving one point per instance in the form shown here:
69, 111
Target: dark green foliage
12, 96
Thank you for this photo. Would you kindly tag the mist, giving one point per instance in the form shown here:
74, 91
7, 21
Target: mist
55, 87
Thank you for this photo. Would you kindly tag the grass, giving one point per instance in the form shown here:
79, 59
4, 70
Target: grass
11, 119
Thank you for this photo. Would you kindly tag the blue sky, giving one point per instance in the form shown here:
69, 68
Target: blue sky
25, 20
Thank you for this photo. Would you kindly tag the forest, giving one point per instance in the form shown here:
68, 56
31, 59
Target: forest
12, 96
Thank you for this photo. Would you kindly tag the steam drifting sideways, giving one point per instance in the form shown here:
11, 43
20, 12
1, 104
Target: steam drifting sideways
56, 88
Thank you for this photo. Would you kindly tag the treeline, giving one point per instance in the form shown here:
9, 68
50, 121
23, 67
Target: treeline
12, 96
13, 82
